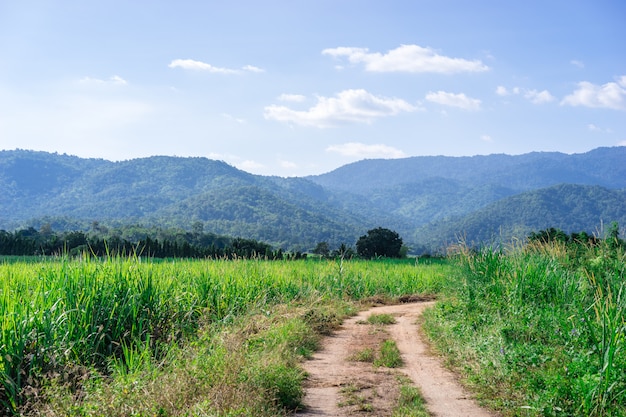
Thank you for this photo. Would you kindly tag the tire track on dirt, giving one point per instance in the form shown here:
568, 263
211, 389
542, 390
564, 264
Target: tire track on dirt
330, 369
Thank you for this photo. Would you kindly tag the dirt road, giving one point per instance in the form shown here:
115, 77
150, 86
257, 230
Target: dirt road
338, 385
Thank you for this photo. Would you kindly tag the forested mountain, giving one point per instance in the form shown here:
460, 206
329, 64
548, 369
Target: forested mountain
568, 207
428, 200
602, 166
426, 189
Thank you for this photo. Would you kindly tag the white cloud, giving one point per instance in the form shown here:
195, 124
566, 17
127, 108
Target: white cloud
611, 95
114, 80
216, 156
361, 150
454, 100
502, 91
621, 143
577, 63
190, 64
539, 97
252, 68
406, 58
349, 106
249, 165
233, 118
287, 164
489, 55
486, 138
294, 98
595, 128
534, 96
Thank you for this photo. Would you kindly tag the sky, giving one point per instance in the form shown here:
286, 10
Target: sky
298, 87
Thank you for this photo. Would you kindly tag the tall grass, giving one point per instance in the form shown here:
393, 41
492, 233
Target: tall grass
117, 314
540, 330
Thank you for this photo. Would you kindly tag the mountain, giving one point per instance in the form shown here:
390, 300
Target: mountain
429, 200
431, 188
601, 166
569, 207
171, 191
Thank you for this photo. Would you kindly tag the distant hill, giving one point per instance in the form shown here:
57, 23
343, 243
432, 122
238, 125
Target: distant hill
430, 201
425, 189
569, 207
602, 166
170, 191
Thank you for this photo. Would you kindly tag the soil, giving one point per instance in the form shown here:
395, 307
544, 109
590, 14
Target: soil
340, 385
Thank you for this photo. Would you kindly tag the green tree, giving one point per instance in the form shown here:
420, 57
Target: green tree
322, 249
197, 228
612, 236
343, 252
549, 235
379, 242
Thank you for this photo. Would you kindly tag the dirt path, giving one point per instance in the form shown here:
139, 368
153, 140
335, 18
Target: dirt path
340, 386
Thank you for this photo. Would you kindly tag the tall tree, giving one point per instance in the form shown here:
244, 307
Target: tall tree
379, 242
322, 249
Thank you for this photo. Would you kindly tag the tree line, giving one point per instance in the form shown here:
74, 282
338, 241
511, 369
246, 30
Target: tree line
377, 243
175, 243
135, 240
33, 242
551, 235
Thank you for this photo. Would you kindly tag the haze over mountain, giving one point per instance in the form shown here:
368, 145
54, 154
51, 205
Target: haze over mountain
430, 201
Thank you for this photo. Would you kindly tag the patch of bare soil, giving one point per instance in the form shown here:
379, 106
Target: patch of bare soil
339, 385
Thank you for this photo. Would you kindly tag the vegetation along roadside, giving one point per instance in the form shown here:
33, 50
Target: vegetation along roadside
540, 329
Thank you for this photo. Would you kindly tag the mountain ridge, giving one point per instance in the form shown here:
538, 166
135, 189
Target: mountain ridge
414, 196
577, 169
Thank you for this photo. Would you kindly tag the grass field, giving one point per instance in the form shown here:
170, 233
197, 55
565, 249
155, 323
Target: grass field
104, 337
538, 330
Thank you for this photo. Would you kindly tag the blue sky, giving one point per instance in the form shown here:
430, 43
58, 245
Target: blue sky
302, 87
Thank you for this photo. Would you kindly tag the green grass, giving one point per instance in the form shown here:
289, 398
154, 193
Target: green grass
381, 319
364, 355
81, 335
411, 402
352, 396
539, 330
535, 331
389, 355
